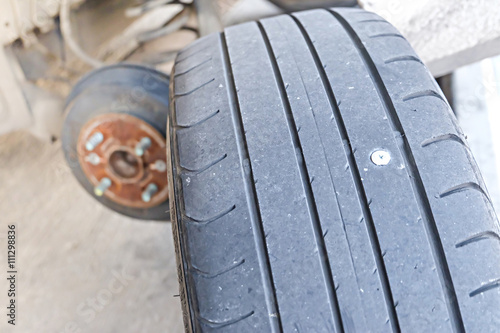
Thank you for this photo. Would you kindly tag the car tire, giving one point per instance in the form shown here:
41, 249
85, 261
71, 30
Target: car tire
320, 183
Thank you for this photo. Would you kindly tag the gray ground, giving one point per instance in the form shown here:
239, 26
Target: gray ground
82, 268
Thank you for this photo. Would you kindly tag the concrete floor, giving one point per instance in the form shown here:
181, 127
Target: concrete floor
82, 267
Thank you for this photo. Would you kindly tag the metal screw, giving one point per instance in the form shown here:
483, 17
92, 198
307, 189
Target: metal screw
160, 166
94, 141
93, 159
148, 193
381, 157
102, 186
142, 146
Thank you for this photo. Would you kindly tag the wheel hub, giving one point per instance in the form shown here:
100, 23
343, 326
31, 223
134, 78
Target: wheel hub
123, 158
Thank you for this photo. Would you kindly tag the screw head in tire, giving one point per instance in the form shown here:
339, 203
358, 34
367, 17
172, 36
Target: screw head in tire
380, 157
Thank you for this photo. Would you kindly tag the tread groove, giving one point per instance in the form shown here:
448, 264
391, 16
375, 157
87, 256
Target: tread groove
339, 208
464, 187
433, 93
488, 286
456, 138
424, 93
251, 192
373, 20
208, 220
416, 180
403, 58
209, 275
220, 324
478, 237
197, 122
195, 89
193, 67
304, 176
387, 35
203, 168
354, 170
444, 137
191, 55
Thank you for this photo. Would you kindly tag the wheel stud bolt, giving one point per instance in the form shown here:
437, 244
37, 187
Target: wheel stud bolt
93, 159
148, 193
160, 166
102, 186
94, 141
142, 146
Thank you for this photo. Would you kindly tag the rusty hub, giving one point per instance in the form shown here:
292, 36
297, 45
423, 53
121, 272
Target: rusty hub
128, 152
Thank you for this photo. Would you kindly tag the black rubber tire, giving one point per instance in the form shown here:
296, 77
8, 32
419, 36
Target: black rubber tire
281, 220
123, 88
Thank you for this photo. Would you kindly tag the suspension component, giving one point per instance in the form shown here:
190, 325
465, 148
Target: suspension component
118, 167
150, 190
94, 141
103, 185
114, 129
142, 146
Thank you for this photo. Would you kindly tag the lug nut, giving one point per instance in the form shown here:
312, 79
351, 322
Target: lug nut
93, 159
102, 186
142, 146
148, 193
94, 141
